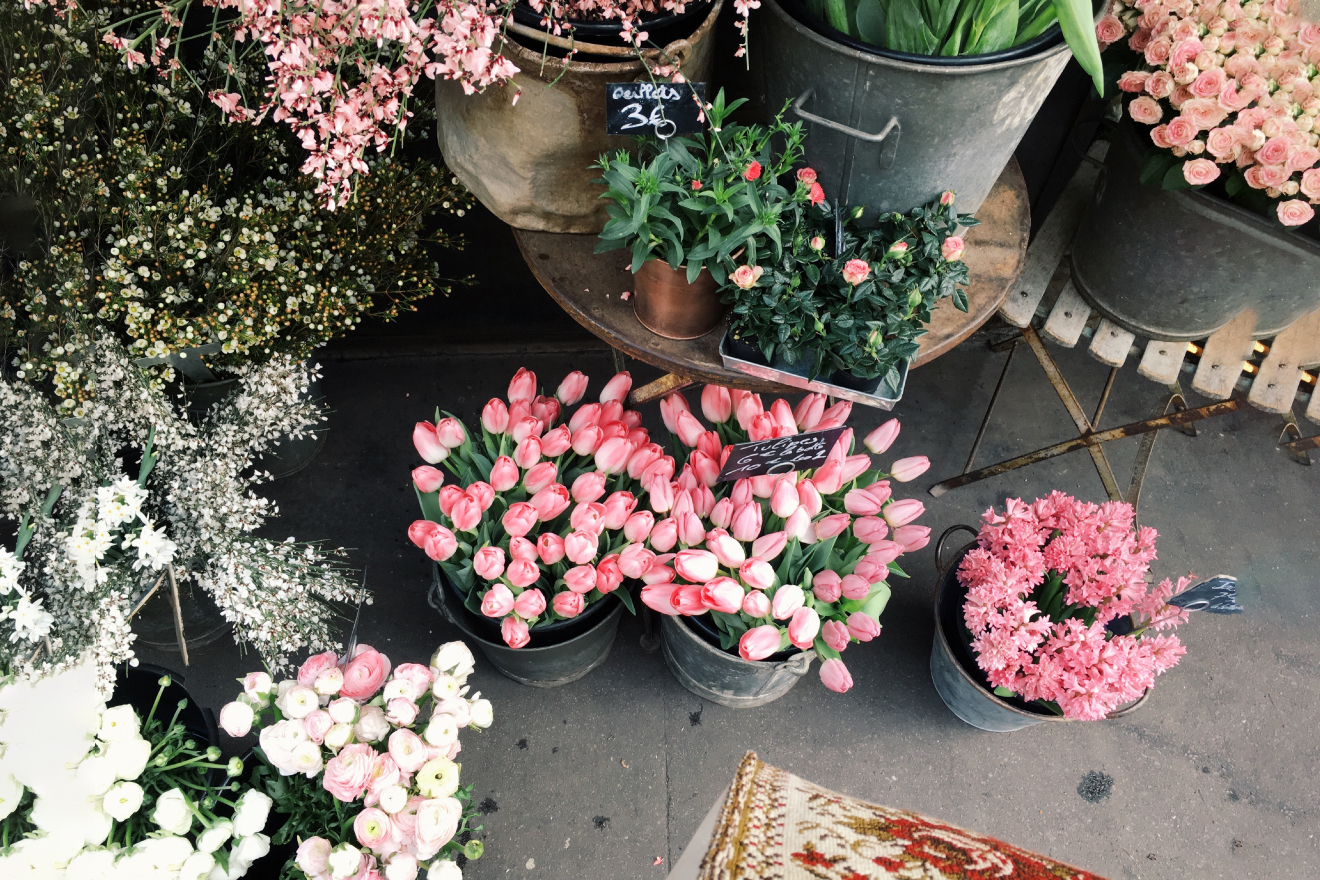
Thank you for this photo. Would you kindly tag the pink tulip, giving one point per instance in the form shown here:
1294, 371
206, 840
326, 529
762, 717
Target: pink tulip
514, 632
609, 576
530, 604
581, 547
522, 386
759, 642
495, 416
639, 525
550, 501
782, 413
488, 562
550, 547
450, 432
689, 430
729, 552
572, 389
742, 492
885, 552
482, 493
883, 437
827, 586
420, 530
809, 497
519, 519
785, 499
682, 503
498, 600
757, 574
721, 515
617, 388
870, 529
518, 410
555, 443
835, 635
691, 532
664, 535
880, 490
540, 477
803, 627
716, 404
835, 676
855, 587
832, 525
912, 537
660, 494
723, 594
618, 508
871, 571
466, 514
613, 454
589, 486
835, 416
660, 597
449, 495
687, 600
707, 469
525, 428
756, 604
587, 415
768, 547
862, 627
521, 548
787, 599
589, 517
859, 502
828, 477
428, 479
522, 573
762, 427
808, 411
747, 407
587, 440
643, 458
904, 511
746, 522
504, 475
764, 485
611, 430
670, 407
635, 561
441, 544
428, 445
799, 525
854, 466
528, 452
906, 469
696, 566
580, 578
546, 409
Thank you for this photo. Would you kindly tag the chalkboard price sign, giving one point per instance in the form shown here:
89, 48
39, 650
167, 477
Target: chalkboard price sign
781, 455
663, 109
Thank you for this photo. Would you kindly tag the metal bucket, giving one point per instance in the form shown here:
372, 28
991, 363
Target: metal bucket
1180, 264
530, 163
546, 667
892, 134
725, 678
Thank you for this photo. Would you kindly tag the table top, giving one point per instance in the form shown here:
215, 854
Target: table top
589, 286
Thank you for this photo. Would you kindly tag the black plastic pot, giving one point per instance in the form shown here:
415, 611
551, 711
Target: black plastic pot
542, 636
137, 686
660, 30
746, 351
704, 627
847, 379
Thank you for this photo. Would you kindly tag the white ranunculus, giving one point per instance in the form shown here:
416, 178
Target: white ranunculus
298, 702
483, 714
398, 687
278, 742
172, 812
128, 757
454, 658
401, 866
39, 857
438, 778
372, 725
122, 800
165, 853
441, 732
73, 818
445, 687
249, 849
443, 869
437, 823
307, 760
236, 718
214, 837
119, 722
196, 867
258, 686
344, 861
95, 774
251, 812
393, 798
284, 687
343, 711
92, 864
458, 707
338, 736
11, 792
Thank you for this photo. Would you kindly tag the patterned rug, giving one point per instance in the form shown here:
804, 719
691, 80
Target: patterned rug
776, 826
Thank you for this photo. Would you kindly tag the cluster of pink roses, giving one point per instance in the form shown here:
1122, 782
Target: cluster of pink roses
1229, 84
533, 524
715, 551
383, 744
1042, 584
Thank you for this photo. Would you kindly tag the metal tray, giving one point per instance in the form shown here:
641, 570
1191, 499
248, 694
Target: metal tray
881, 395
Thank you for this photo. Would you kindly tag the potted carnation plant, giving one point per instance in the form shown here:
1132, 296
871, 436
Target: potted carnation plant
758, 576
1216, 166
1048, 616
688, 207
357, 757
526, 540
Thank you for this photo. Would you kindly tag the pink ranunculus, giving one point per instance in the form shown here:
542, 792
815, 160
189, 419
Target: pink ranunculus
569, 604
696, 566
835, 676
745, 276
830, 526
529, 604
572, 388
835, 634
953, 248
803, 627
513, 630
827, 586
522, 573
401, 712
723, 594
912, 537
581, 547
609, 576
1199, 172
617, 388
787, 599
1294, 212
407, 749
855, 587
315, 665
580, 578
316, 725
497, 602
551, 501
862, 627
768, 547
313, 856
364, 673
756, 604
236, 719
856, 271
759, 642
418, 677
660, 596
495, 416
347, 773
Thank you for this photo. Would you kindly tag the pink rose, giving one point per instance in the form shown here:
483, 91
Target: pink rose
1145, 110
1199, 172
569, 604
314, 666
1133, 81
1159, 135
1209, 83
855, 271
1181, 131
746, 277
317, 724
347, 773
1311, 184
1160, 85
1294, 212
953, 248
1204, 113
1222, 143
514, 632
1273, 175
1302, 158
497, 602
1109, 30
759, 642
365, 673
1275, 151
1157, 52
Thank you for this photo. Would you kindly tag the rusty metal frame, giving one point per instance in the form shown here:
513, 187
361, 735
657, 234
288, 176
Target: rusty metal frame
1298, 447
1088, 437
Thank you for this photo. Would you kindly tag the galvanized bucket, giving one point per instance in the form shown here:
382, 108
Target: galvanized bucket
725, 678
961, 690
530, 163
893, 134
546, 667
1180, 264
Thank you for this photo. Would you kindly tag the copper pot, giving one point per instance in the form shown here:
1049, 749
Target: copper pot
668, 306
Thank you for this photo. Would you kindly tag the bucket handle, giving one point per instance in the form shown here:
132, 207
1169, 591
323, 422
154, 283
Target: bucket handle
888, 136
941, 566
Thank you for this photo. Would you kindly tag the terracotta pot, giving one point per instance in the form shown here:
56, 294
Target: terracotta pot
670, 307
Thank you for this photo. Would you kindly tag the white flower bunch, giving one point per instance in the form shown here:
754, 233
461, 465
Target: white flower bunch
113, 519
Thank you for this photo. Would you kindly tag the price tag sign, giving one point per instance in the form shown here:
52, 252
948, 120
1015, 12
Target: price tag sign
662, 109
779, 456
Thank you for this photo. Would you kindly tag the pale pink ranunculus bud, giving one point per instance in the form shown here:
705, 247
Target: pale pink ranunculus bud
550, 548
427, 478
835, 676
581, 547
912, 537
529, 604
716, 404
522, 573
504, 475
540, 477
759, 642
952, 248
856, 271
696, 566
400, 711
854, 586
314, 665
660, 597
613, 454
723, 594
907, 469
832, 525
528, 452
728, 551
514, 632
757, 574
787, 599
497, 602
862, 627
519, 519
901, 512
835, 634
617, 388
572, 388
803, 627
428, 445
522, 386
784, 500
555, 443
569, 604
407, 750
808, 410
756, 604
769, 546
664, 535
879, 440
329, 682
746, 522
495, 416
638, 526
589, 486
586, 415
236, 719
859, 502
721, 515
313, 856
827, 586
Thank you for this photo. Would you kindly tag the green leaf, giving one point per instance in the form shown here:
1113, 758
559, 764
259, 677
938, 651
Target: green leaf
877, 602
626, 598
1004, 692
1174, 179
430, 504
871, 21
998, 31
824, 651
1155, 165
1078, 25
